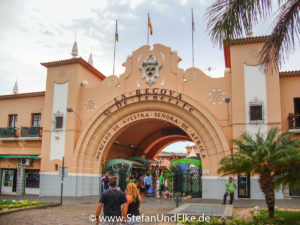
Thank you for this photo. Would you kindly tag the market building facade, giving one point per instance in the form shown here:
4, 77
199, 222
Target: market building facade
89, 118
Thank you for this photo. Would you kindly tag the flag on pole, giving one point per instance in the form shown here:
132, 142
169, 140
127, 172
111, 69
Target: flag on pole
193, 23
117, 35
115, 43
193, 30
149, 25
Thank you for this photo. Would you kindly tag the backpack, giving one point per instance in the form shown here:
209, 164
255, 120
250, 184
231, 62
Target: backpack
148, 180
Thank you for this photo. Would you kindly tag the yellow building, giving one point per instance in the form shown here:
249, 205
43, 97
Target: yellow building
89, 118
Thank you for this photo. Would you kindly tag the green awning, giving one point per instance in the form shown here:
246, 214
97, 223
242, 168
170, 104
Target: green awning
195, 162
117, 161
19, 156
139, 159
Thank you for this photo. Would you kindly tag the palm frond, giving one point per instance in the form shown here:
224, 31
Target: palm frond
229, 19
282, 39
235, 164
274, 154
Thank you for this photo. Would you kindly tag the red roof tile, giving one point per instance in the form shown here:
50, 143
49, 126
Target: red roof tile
247, 40
23, 95
289, 73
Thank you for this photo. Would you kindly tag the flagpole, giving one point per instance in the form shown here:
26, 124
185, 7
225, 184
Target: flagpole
148, 31
193, 36
115, 48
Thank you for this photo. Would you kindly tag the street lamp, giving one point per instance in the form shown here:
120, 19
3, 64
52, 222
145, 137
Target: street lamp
69, 109
227, 100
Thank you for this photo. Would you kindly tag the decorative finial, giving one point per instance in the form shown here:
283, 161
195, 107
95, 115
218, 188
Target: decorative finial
16, 88
91, 61
75, 49
210, 69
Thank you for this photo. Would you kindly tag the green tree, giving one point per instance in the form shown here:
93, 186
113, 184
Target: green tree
230, 19
275, 159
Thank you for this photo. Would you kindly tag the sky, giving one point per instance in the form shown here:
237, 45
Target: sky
178, 146
35, 31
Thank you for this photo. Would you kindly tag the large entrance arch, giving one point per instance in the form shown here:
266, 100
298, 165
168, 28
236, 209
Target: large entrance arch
176, 116
144, 138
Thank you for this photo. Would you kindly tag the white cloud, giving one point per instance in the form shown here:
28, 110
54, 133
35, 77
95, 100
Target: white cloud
37, 31
182, 19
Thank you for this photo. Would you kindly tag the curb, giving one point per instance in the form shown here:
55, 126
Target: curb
29, 208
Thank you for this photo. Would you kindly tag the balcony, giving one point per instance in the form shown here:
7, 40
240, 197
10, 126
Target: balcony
31, 132
294, 122
23, 134
8, 132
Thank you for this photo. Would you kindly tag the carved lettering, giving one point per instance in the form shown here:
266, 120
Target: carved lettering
163, 91
179, 96
171, 92
148, 94
142, 115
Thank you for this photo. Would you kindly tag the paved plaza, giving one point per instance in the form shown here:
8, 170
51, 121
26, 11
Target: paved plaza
76, 210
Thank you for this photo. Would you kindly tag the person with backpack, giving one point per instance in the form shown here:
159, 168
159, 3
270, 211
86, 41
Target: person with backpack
147, 182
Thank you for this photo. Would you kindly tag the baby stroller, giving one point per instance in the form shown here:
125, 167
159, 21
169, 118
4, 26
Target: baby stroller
150, 192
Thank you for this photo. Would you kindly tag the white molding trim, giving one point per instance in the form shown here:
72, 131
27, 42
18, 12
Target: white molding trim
225, 177
85, 175
72, 174
50, 173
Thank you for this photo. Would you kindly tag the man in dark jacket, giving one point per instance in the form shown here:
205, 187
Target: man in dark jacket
111, 201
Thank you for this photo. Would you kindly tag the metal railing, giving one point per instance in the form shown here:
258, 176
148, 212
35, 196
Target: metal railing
31, 131
294, 121
8, 132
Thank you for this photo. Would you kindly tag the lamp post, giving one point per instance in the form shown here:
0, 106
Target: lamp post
227, 100
122, 177
70, 109
62, 180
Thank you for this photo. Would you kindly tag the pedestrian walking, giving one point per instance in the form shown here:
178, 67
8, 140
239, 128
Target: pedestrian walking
134, 201
147, 182
105, 181
111, 201
161, 184
230, 187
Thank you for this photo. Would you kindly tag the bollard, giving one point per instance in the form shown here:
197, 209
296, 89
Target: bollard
177, 198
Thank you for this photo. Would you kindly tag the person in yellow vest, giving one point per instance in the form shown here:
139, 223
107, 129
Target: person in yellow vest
230, 187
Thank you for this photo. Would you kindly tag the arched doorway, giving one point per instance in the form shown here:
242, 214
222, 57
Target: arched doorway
145, 138
143, 122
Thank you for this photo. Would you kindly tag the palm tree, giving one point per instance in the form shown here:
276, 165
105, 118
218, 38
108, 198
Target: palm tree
229, 19
275, 159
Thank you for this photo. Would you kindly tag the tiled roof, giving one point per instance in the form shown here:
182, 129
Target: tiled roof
23, 95
192, 146
79, 60
167, 154
289, 73
247, 40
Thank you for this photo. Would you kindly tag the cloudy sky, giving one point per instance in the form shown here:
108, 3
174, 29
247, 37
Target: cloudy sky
35, 31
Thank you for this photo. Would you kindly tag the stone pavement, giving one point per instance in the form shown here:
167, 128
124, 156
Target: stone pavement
76, 210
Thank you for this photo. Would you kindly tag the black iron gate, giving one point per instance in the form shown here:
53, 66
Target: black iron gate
122, 178
188, 182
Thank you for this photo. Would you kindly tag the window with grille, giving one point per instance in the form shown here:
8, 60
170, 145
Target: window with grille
12, 120
256, 112
59, 122
36, 120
